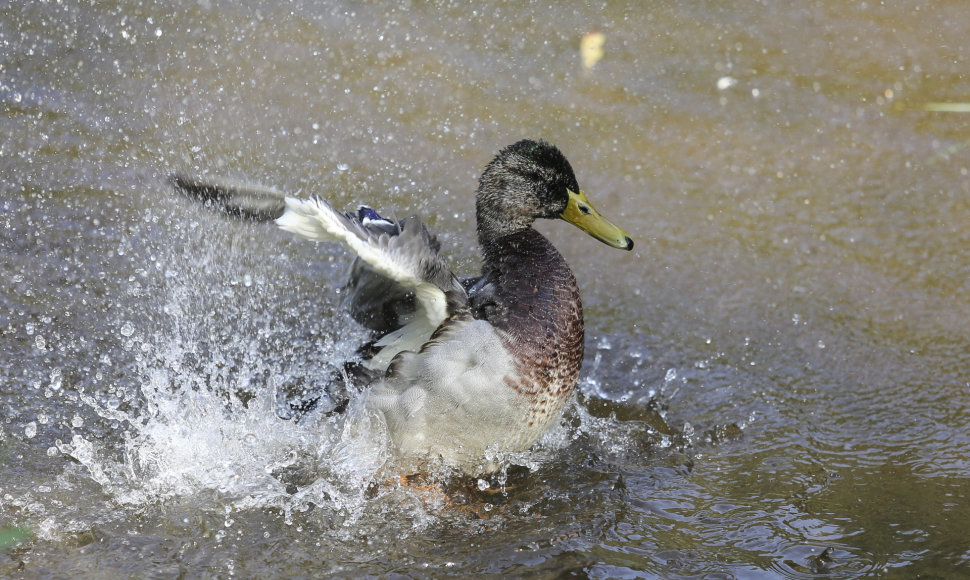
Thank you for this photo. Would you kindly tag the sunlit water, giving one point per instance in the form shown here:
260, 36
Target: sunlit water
777, 379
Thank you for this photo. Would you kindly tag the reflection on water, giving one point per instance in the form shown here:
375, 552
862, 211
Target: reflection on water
777, 381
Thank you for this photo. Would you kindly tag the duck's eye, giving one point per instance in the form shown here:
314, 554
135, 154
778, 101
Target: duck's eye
583, 209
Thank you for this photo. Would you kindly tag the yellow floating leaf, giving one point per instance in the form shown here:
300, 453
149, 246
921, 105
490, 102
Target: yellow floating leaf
591, 48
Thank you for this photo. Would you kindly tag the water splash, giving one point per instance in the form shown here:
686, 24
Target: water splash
203, 338
184, 402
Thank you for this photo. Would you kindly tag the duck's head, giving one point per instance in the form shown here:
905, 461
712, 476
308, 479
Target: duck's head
530, 180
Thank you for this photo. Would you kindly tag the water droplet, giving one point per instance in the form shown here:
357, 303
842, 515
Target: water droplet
127, 329
670, 376
342, 167
40, 342
30, 431
56, 380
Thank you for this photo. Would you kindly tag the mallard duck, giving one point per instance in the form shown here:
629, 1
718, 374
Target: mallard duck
459, 368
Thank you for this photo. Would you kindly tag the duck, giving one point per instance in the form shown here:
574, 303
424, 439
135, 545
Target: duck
460, 370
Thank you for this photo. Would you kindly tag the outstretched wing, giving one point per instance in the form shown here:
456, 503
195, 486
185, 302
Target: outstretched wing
405, 254
235, 198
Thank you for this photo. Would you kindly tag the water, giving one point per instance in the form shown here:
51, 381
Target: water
777, 380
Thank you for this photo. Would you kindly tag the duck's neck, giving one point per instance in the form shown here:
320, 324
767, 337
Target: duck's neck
537, 305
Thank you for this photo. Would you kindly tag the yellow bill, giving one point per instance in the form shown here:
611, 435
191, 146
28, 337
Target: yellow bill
581, 213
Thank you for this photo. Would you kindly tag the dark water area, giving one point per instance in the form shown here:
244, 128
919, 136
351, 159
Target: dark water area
777, 378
